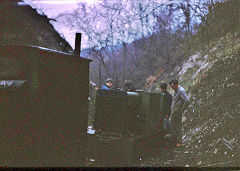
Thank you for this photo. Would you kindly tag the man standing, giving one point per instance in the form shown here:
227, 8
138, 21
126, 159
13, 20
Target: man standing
165, 108
179, 104
128, 86
108, 85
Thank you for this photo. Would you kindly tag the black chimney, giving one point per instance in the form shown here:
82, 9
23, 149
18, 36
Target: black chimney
77, 49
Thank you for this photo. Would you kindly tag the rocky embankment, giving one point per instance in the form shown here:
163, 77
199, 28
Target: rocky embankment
211, 128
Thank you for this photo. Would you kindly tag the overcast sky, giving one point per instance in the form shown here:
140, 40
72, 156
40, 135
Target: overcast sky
52, 8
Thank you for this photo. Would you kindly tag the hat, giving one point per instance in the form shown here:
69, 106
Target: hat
109, 80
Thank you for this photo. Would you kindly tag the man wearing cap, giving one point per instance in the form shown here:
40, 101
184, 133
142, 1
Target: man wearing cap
179, 104
108, 85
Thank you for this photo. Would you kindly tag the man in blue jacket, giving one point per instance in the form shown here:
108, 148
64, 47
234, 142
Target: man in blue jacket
180, 102
108, 85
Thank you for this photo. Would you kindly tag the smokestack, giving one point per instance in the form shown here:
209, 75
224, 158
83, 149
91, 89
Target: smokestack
77, 49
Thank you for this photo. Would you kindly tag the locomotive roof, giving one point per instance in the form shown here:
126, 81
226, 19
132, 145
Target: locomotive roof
43, 49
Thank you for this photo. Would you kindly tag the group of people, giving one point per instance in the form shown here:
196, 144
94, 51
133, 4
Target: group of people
109, 85
172, 107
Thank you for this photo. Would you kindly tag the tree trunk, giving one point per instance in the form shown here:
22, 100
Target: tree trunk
124, 62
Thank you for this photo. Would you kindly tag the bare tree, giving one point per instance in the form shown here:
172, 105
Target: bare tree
158, 32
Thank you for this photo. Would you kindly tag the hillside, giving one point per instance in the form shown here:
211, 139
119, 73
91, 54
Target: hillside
211, 123
20, 24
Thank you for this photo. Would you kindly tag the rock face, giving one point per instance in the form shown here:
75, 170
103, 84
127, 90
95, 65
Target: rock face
211, 124
22, 25
214, 115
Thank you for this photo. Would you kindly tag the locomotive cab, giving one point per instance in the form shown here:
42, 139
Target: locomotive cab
44, 107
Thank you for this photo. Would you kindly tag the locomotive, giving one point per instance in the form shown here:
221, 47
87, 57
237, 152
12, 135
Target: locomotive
44, 107
44, 113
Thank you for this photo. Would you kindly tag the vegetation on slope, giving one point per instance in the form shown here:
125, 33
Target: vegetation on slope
211, 123
215, 112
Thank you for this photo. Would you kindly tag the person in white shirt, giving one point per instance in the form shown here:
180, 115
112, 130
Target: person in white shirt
180, 102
